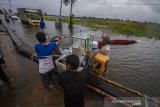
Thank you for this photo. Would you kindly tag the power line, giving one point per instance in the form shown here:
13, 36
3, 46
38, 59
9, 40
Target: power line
87, 3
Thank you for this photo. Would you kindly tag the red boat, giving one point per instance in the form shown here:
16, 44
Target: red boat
119, 42
123, 42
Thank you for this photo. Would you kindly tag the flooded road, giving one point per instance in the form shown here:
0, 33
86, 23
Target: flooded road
135, 66
26, 89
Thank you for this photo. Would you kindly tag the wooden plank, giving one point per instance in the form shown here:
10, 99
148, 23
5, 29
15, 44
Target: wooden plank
106, 87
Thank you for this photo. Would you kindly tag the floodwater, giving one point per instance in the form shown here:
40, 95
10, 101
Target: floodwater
136, 66
25, 88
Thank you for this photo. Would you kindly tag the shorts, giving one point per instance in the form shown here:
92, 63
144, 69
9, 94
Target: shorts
47, 78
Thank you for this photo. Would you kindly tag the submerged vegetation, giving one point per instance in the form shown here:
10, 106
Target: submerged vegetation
150, 30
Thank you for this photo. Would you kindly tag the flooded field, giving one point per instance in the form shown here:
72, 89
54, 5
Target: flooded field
135, 66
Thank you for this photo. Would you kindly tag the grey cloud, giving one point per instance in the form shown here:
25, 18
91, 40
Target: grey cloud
155, 7
95, 8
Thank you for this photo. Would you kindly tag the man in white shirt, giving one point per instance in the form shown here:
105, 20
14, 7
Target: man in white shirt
105, 45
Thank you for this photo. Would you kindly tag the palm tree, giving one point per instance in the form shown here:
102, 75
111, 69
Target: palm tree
66, 2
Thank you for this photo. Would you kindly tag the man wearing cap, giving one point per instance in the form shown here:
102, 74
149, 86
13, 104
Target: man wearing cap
104, 45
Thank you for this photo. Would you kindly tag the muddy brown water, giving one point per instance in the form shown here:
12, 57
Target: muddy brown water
26, 89
136, 66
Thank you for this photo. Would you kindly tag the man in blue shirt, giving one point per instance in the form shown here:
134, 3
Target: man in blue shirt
42, 25
45, 51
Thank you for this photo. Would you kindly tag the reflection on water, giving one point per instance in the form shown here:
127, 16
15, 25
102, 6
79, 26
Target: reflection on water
135, 66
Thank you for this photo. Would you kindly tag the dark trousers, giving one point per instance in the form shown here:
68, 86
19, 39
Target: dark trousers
47, 78
3, 76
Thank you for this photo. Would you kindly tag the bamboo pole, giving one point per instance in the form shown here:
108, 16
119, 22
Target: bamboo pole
125, 88
104, 94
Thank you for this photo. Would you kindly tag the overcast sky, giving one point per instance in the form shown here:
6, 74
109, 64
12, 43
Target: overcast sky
123, 9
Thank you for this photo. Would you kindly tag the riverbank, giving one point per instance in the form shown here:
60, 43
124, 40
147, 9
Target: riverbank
149, 30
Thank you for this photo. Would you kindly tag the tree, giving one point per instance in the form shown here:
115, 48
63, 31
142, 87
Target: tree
67, 2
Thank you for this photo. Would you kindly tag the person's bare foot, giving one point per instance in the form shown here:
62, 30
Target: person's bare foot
52, 87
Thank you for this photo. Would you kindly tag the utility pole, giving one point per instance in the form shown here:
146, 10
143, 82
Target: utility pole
10, 11
0, 4
60, 11
61, 8
71, 14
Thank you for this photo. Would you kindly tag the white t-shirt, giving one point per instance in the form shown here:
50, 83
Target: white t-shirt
46, 65
106, 48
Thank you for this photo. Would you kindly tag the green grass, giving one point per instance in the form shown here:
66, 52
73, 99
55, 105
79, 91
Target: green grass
49, 18
150, 30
